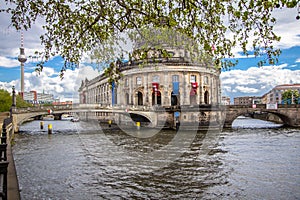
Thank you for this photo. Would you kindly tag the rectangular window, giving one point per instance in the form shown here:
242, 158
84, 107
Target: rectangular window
155, 79
138, 80
205, 80
126, 82
193, 79
175, 78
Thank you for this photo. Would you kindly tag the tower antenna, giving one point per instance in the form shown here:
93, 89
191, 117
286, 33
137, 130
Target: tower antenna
22, 59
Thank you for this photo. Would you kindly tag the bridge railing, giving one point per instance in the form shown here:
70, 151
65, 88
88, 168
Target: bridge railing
43, 108
288, 105
261, 106
7, 125
141, 107
264, 106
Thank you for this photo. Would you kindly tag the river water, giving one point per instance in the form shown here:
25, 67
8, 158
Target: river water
254, 160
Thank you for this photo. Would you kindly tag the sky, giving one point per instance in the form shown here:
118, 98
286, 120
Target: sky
245, 79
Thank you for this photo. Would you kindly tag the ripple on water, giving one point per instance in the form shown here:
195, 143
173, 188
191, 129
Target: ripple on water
78, 164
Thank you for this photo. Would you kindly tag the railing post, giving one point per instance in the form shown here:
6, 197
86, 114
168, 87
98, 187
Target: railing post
4, 163
3, 136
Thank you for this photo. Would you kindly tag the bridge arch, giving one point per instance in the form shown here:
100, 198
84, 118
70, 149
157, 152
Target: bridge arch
139, 118
230, 117
20, 118
130, 118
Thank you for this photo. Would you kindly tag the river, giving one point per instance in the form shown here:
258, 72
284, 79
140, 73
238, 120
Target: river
254, 160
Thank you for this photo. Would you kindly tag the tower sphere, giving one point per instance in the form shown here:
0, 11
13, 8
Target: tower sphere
22, 58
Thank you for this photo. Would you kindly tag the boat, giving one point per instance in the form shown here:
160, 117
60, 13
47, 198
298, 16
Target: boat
48, 118
75, 120
242, 117
67, 117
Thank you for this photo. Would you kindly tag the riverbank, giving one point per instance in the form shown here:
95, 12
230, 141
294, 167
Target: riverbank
13, 192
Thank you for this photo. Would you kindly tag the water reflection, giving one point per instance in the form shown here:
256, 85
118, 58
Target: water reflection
76, 163
247, 122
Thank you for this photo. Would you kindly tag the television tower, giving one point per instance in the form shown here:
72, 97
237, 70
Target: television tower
22, 59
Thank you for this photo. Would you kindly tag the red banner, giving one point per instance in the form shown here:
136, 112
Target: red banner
194, 85
155, 87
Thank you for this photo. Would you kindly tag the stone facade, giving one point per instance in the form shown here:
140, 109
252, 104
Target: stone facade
167, 87
173, 81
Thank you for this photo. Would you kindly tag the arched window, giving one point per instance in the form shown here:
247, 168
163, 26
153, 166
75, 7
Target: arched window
127, 98
193, 97
156, 98
206, 97
174, 99
115, 96
140, 98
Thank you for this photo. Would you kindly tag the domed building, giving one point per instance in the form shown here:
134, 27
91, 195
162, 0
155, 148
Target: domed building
151, 80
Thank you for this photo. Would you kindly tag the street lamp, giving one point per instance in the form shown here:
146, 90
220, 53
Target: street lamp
13, 96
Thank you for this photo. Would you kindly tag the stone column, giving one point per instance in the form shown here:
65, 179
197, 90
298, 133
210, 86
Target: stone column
145, 95
130, 90
211, 99
166, 101
198, 89
201, 88
185, 88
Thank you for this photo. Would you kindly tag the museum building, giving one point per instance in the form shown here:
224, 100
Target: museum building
159, 91
162, 81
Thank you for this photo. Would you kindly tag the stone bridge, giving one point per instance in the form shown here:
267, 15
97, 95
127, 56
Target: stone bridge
84, 111
289, 114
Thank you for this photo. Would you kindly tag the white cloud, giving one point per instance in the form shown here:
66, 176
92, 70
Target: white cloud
8, 85
257, 81
244, 89
298, 60
48, 81
287, 27
8, 62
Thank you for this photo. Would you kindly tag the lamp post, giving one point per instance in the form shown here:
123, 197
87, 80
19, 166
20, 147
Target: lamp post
14, 101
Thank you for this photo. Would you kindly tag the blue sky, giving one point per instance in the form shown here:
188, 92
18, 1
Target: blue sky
245, 79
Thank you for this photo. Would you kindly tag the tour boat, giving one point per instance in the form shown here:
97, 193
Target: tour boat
48, 118
67, 117
75, 120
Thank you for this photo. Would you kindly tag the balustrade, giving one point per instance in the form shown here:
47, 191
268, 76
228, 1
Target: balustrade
3, 158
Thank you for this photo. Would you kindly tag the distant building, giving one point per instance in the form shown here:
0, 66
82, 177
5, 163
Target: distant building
38, 98
225, 100
57, 102
45, 98
274, 96
30, 97
257, 100
247, 100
